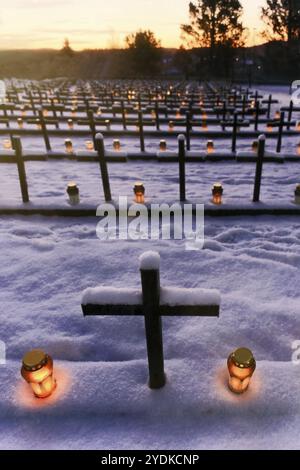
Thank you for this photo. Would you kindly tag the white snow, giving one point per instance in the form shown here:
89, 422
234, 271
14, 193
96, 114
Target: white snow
179, 296
150, 260
111, 296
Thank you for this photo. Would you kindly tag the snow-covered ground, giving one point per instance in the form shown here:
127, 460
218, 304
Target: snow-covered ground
102, 399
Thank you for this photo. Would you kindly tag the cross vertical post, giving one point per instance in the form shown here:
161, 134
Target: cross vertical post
99, 146
151, 298
259, 166
17, 146
188, 131
92, 124
44, 131
141, 131
123, 115
181, 158
234, 131
291, 109
280, 130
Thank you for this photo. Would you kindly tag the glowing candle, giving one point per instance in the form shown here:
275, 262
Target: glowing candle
217, 192
89, 145
210, 146
70, 124
162, 145
20, 123
241, 366
7, 144
139, 191
107, 123
37, 370
116, 145
171, 126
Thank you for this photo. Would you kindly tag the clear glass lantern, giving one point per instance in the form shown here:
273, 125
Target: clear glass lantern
107, 124
7, 144
210, 146
73, 193
255, 146
277, 115
89, 145
162, 145
69, 146
139, 192
20, 123
217, 193
37, 370
116, 145
70, 124
171, 126
241, 366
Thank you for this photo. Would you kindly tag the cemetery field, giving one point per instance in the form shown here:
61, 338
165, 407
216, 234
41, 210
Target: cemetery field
102, 399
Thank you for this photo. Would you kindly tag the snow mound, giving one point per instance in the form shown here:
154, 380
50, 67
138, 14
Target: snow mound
149, 260
111, 296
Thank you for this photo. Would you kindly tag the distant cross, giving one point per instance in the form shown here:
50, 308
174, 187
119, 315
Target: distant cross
152, 302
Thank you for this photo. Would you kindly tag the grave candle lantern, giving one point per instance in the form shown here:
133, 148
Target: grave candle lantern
171, 126
298, 126
269, 127
178, 115
162, 145
69, 146
241, 366
204, 124
45, 112
255, 146
20, 123
89, 145
217, 193
297, 194
99, 112
277, 115
116, 145
210, 146
38, 124
70, 124
107, 123
74, 111
37, 370
139, 191
73, 193
153, 114
7, 144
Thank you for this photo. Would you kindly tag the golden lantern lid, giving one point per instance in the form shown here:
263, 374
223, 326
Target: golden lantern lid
243, 358
34, 360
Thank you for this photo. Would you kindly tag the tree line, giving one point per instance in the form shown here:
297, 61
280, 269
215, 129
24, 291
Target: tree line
214, 41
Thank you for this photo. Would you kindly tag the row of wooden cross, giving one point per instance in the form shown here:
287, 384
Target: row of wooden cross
101, 154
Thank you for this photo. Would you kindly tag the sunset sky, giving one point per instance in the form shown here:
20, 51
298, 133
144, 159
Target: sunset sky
100, 23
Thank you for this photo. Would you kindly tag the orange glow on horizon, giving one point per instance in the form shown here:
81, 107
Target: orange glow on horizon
94, 24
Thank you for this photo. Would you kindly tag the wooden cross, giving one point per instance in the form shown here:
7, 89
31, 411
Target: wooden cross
152, 302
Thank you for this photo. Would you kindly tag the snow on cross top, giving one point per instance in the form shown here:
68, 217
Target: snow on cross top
150, 260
